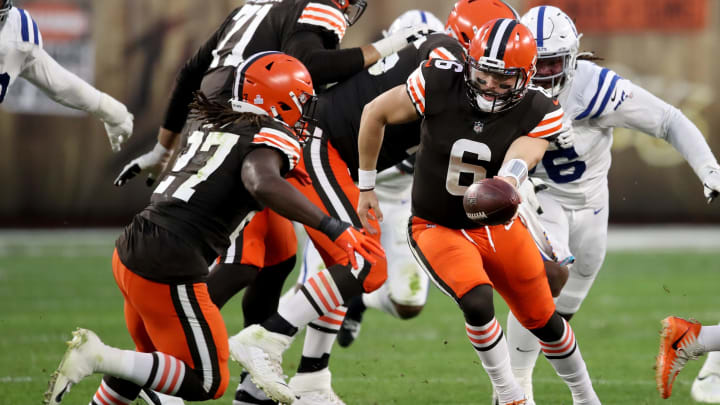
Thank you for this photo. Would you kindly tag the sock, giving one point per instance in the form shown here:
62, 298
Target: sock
114, 391
564, 355
126, 364
319, 338
492, 350
380, 299
712, 365
227, 279
709, 337
524, 349
317, 297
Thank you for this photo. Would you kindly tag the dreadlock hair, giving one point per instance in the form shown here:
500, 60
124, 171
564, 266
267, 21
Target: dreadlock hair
216, 113
590, 56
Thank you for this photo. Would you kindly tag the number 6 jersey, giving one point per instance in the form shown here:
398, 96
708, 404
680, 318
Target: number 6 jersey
460, 145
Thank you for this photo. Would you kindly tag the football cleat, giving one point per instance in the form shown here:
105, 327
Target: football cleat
249, 394
678, 344
260, 352
314, 388
80, 360
524, 401
157, 398
706, 389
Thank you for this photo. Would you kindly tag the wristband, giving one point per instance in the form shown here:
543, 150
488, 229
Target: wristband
366, 179
515, 168
332, 227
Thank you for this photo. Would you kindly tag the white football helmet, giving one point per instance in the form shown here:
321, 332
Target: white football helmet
557, 44
413, 18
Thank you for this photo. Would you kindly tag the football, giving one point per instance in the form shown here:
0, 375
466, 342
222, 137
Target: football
491, 201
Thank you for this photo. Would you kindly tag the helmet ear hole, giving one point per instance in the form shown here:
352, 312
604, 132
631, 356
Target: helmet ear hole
465, 37
285, 107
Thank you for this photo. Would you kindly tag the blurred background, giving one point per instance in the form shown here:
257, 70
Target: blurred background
56, 167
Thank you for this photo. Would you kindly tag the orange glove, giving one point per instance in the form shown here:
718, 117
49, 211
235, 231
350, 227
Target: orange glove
352, 241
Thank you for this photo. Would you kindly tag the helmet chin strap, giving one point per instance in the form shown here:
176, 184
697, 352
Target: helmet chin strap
243, 106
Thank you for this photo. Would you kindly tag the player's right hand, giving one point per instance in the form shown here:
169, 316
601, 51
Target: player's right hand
368, 201
151, 162
119, 134
401, 39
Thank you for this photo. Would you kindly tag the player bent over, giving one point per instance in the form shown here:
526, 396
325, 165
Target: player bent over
235, 162
501, 129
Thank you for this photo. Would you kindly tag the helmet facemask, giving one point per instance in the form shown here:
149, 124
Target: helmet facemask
307, 104
492, 87
352, 9
555, 70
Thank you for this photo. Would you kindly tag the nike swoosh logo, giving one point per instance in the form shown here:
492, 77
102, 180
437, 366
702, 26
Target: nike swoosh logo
556, 102
675, 343
524, 351
706, 377
595, 212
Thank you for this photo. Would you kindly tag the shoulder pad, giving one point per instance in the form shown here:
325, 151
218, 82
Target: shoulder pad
325, 15
24, 27
599, 86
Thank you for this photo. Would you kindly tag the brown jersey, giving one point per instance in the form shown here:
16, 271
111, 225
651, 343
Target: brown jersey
202, 200
461, 145
340, 108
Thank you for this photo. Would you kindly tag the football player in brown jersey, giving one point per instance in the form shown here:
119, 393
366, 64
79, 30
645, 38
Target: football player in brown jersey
478, 120
236, 159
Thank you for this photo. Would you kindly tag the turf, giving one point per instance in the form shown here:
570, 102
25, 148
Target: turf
428, 360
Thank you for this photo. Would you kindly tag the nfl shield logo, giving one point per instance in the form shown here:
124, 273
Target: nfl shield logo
478, 126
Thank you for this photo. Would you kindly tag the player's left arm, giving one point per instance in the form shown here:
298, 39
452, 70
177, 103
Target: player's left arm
67, 89
262, 175
641, 110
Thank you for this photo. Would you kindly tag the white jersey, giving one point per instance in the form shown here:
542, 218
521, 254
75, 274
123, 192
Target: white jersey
19, 39
596, 101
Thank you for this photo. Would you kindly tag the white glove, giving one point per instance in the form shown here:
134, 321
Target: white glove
401, 39
711, 182
151, 162
527, 193
565, 139
119, 133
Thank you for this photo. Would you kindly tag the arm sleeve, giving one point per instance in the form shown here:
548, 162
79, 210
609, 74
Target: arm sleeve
188, 80
325, 65
67, 89
643, 111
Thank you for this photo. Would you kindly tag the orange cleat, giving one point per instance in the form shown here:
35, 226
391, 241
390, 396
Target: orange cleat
678, 344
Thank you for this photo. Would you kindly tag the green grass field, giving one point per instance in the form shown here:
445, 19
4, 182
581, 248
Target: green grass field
45, 294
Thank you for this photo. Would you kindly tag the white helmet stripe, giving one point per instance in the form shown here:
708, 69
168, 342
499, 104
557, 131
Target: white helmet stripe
499, 39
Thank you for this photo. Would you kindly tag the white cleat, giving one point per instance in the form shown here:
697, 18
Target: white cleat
260, 352
158, 398
80, 360
314, 388
706, 389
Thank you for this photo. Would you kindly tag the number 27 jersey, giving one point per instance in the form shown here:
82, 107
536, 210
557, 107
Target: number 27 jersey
460, 145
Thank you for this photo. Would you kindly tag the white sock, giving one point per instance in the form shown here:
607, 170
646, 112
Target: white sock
709, 337
711, 365
317, 297
126, 364
564, 355
321, 333
492, 350
380, 299
524, 349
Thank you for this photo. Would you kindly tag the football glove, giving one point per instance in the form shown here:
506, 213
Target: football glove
401, 39
118, 134
151, 162
352, 241
711, 183
566, 139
